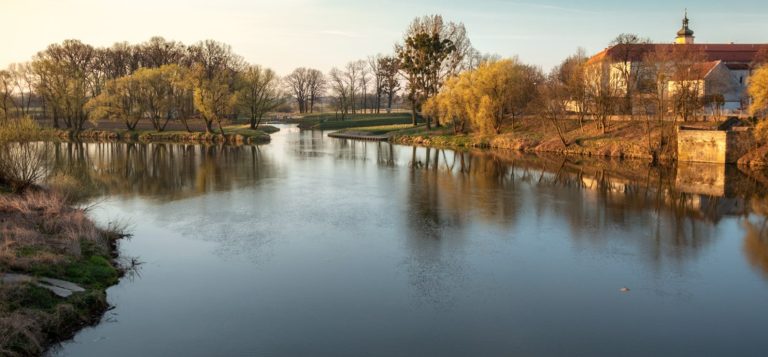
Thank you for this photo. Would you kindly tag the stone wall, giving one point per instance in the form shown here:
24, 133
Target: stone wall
714, 146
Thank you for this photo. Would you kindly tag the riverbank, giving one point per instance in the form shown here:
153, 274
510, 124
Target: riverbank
331, 121
626, 139
55, 267
235, 134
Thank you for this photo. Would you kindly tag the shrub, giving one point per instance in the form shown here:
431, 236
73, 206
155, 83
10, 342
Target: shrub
22, 165
23, 130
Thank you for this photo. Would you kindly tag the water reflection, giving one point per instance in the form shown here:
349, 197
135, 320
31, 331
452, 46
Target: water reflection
311, 243
162, 171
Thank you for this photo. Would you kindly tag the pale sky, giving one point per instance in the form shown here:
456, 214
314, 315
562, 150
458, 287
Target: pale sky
284, 34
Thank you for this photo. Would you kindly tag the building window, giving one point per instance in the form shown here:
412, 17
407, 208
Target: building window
741, 80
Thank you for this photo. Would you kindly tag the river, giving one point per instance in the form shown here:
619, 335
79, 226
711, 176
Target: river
314, 246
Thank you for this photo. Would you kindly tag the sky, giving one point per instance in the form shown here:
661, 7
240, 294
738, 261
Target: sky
285, 34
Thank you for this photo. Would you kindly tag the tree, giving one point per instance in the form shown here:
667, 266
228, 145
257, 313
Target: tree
213, 97
23, 86
155, 88
554, 97
259, 93
374, 63
390, 69
601, 90
758, 90
315, 87
487, 96
340, 88
688, 66
354, 71
626, 48
454, 104
67, 80
118, 101
158, 52
365, 78
298, 83
571, 74
6, 94
431, 52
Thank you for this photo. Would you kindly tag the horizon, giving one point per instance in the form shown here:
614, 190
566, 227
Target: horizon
330, 33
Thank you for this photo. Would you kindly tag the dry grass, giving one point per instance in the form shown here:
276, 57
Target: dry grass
40, 228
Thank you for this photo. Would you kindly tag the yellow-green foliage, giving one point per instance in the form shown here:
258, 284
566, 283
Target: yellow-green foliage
761, 132
485, 97
758, 90
23, 129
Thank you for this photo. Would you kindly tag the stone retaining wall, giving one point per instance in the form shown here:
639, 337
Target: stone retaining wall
715, 146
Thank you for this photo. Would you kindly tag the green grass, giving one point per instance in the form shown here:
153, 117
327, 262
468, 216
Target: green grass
329, 121
380, 129
257, 136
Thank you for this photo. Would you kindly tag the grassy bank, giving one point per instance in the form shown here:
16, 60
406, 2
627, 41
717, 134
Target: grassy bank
625, 139
237, 134
42, 235
330, 121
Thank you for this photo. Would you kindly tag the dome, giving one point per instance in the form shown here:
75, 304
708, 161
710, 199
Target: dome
685, 31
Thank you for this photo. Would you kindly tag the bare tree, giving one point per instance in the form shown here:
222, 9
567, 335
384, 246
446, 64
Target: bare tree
626, 49
315, 87
23, 84
365, 78
340, 88
601, 91
354, 72
297, 83
554, 97
374, 63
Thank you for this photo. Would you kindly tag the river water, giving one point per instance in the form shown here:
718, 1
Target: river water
315, 246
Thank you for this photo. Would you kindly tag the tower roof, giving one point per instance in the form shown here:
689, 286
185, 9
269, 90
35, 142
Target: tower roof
685, 31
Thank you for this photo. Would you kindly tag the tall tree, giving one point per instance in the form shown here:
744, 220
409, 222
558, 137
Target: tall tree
67, 80
374, 64
571, 74
298, 84
389, 68
340, 89
259, 93
315, 87
354, 71
431, 52
627, 47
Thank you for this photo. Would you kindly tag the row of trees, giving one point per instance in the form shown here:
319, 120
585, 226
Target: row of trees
158, 81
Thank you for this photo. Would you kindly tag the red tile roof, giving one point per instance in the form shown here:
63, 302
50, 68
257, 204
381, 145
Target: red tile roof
729, 53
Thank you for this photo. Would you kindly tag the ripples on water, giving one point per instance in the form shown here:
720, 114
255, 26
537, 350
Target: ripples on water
318, 246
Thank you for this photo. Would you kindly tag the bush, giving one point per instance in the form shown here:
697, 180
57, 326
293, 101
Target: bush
23, 130
22, 165
761, 132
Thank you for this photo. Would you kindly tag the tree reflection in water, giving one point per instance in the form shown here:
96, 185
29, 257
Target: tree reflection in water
166, 171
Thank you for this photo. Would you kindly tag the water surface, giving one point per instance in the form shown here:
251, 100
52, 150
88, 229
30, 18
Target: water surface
317, 246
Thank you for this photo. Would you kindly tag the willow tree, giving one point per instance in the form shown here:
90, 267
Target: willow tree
213, 97
488, 96
120, 100
758, 91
